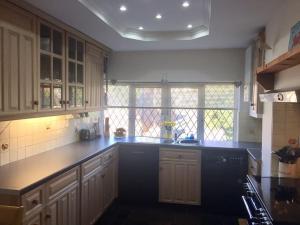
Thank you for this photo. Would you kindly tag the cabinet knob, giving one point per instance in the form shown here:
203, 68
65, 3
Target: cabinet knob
35, 202
67, 102
86, 102
252, 104
48, 216
103, 175
35, 102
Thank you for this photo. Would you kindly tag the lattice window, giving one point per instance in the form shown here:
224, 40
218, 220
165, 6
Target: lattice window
118, 95
219, 96
218, 125
205, 110
148, 97
184, 97
118, 117
148, 120
184, 103
186, 121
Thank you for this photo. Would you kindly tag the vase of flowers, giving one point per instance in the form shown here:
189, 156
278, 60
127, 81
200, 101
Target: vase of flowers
168, 125
287, 161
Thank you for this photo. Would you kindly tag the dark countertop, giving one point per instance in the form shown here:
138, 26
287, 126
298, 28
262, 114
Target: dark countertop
255, 153
21, 176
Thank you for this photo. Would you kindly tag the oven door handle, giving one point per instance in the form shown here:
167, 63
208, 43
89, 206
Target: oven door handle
251, 217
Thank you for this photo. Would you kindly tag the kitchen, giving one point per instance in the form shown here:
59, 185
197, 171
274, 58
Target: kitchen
149, 112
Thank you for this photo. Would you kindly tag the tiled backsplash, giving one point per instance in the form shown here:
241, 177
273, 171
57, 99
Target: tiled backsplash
286, 123
29, 137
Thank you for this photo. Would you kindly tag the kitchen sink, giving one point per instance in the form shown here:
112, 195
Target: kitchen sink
188, 141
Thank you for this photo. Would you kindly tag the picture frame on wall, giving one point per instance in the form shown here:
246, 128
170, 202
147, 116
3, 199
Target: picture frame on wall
295, 36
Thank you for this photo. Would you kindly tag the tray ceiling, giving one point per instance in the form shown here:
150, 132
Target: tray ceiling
136, 19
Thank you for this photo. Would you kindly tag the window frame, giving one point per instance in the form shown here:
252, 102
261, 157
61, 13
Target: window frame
166, 102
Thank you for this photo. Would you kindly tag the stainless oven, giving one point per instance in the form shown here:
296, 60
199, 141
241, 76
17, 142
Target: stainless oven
256, 212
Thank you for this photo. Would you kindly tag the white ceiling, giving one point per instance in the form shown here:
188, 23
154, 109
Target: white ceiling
233, 23
141, 13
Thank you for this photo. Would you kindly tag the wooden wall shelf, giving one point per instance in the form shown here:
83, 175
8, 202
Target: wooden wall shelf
265, 74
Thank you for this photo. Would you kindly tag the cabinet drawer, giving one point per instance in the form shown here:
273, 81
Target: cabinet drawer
91, 166
175, 154
254, 167
109, 155
33, 200
34, 220
59, 184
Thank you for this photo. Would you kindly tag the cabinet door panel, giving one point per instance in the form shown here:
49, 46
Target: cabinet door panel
11, 70
193, 183
51, 217
99, 194
85, 218
94, 75
73, 207
28, 73
180, 182
35, 220
63, 210
108, 185
166, 182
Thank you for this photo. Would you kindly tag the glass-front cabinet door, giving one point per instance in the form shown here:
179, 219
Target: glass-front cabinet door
51, 67
75, 73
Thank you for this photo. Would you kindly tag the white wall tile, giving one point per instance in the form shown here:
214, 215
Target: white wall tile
29, 137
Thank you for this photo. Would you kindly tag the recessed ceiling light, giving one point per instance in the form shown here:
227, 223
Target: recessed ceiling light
141, 28
190, 26
158, 16
123, 8
185, 4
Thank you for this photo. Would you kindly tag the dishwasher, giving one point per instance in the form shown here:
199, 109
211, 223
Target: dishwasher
223, 173
138, 174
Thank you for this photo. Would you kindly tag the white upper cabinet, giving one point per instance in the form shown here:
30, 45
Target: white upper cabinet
18, 61
51, 63
93, 77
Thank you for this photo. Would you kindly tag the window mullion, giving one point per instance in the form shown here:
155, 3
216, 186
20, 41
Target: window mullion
237, 94
166, 102
201, 113
132, 110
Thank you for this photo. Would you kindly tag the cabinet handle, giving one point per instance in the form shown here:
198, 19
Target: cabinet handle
252, 104
62, 102
68, 102
86, 102
35, 102
48, 216
35, 202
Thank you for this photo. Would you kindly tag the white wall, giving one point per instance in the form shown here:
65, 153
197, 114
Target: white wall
278, 35
222, 65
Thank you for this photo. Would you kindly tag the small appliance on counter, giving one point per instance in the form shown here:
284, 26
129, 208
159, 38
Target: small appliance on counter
87, 134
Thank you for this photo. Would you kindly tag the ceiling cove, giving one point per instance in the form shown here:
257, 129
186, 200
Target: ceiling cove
154, 20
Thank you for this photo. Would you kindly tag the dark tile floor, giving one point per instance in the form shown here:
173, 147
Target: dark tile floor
121, 214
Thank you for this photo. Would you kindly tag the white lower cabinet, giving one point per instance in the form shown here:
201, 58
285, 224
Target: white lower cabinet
179, 176
92, 198
65, 209
98, 186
